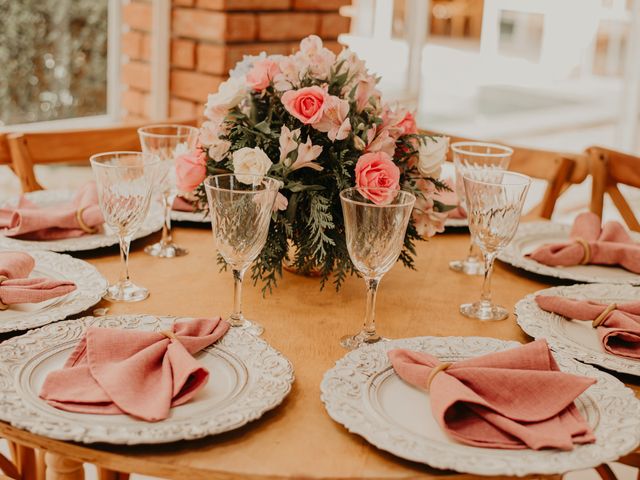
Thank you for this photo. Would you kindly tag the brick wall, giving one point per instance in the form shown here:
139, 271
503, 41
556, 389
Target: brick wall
209, 36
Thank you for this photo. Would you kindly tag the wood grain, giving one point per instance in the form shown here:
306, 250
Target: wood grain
298, 439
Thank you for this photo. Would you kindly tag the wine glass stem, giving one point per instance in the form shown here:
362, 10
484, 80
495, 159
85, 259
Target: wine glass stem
236, 319
369, 328
125, 243
473, 255
166, 227
485, 298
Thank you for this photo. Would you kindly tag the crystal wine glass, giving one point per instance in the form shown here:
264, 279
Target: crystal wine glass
240, 207
124, 181
468, 156
375, 236
167, 142
494, 207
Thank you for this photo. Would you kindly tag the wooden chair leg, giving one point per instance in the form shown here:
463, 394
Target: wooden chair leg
623, 207
62, 468
25, 460
8, 468
106, 474
598, 170
605, 472
41, 468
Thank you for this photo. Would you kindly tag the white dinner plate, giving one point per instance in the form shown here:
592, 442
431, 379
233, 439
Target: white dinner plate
363, 393
248, 378
91, 286
105, 238
532, 235
572, 337
456, 222
196, 217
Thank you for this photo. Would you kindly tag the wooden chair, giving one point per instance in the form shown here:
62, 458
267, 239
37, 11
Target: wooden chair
70, 146
608, 169
560, 170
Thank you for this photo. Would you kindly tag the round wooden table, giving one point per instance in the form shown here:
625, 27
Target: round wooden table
297, 439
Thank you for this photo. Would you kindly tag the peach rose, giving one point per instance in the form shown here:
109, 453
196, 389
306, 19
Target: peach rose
262, 74
191, 170
306, 104
377, 171
408, 124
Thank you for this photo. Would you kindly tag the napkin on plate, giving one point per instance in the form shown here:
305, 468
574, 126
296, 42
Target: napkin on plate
451, 198
139, 373
592, 244
618, 325
514, 399
18, 288
78, 217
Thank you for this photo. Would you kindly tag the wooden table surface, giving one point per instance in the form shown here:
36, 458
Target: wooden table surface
297, 439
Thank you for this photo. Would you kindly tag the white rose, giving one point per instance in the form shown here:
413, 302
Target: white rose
229, 94
250, 161
432, 155
218, 149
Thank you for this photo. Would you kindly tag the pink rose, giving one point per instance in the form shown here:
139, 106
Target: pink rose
262, 74
408, 124
191, 170
377, 170
306, 104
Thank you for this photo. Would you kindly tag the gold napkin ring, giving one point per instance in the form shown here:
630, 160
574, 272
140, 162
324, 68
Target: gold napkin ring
2, 305
587, 250
441, 367
599, 320
85, 228
169, 334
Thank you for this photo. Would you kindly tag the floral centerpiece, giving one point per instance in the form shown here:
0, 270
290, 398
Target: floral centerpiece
316, 121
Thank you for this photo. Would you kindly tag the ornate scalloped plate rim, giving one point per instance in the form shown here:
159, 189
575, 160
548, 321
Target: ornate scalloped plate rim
512, 255
152, 223
467, 459
535, 322
252, 351
91, 287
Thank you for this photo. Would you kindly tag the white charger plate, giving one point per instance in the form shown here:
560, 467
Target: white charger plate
91, 286
105, 238
535, 234
196, 217
456, 222
248, 378
572, 337
363, 393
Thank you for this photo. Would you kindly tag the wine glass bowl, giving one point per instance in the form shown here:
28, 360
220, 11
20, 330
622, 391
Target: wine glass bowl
374, 237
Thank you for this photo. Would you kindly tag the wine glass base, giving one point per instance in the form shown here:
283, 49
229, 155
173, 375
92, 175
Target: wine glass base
484, 311
351, 342
467, 267
169, 250
251, 327
126, 292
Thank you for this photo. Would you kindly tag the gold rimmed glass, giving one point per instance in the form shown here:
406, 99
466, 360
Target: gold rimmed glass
166, 143
494, 207
470, 157
240, 207
375, 236
124, 181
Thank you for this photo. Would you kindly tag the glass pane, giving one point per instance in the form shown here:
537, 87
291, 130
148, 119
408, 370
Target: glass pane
53, 55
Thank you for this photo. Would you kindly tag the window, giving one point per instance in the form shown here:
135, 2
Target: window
56, 60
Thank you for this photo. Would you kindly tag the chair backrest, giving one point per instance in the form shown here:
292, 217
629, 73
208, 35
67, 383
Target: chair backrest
559, 169
5, 156
69, 146
609, 168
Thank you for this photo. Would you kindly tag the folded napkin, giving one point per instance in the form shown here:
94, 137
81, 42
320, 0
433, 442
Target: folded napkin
618, 325
181, 204
16, 287
592, 244
513, 399
450, 197
78, 217
143, 374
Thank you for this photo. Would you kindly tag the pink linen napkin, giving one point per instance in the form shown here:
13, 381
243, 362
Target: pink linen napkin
451, 198
618, 325
31, 222
181, 204
514, 399
592, 244
18, 288
143, 374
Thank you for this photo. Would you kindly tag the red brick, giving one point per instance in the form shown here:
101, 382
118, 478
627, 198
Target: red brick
133, 101
137, 16
254, 5
137, 74
183, 3
218, 59
286, 26
131, 44
333, 24
200, 24
183, 53
146, 46
133, 119
335, 47
183, 108
324, 5
193, 85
